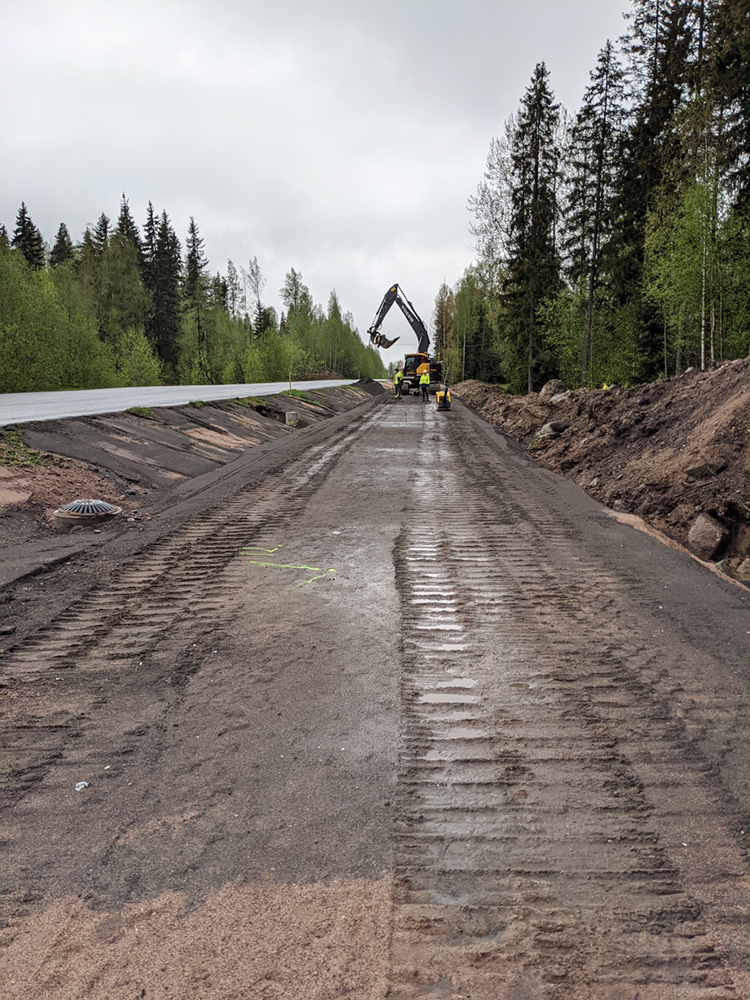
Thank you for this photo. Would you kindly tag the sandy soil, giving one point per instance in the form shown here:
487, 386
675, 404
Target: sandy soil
301, 942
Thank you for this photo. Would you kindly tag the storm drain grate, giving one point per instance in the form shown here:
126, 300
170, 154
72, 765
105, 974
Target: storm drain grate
88, 507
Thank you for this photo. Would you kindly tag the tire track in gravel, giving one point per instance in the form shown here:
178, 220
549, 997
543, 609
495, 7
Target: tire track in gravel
564, 823
561, 836
175, 584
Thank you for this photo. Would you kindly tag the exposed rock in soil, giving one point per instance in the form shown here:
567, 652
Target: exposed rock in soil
706, 537
673, 452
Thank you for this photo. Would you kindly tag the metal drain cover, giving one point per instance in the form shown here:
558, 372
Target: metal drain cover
88, 507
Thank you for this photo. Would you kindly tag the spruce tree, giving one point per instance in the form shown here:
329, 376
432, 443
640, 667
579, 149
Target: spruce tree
196, 265
533, 272
595, 145
195, 291
28, 239
148, 247
661, 44
62, 251
4, 238
165, 305
728, 78
127, 228
100, 235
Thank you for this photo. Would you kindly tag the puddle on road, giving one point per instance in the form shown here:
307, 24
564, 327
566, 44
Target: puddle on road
438, 698
439, 628
430, 647
466, 733
458, 682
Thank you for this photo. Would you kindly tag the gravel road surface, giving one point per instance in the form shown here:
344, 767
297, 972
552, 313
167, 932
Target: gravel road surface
399, 715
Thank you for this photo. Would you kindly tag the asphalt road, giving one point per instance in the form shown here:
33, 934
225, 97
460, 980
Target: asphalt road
24, 407
460, 732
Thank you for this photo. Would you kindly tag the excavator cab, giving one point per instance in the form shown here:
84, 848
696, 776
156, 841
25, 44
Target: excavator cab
415, 364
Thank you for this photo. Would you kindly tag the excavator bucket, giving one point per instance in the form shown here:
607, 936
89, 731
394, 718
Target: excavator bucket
380, 341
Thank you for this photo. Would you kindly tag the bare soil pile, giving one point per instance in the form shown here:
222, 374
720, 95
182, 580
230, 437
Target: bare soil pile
674, 452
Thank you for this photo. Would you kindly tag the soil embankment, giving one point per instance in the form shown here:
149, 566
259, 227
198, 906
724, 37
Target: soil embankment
139, 457
676, 453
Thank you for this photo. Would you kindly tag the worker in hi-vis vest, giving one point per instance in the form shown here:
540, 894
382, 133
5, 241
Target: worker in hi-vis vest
424, 385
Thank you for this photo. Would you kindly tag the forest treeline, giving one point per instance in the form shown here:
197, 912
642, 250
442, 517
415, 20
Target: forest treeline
614, 245
128, 306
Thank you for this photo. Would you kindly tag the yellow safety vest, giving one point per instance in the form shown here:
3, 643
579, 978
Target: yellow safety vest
398, 377
424, 378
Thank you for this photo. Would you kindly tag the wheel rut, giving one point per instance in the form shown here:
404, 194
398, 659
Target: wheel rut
183, 582
545, 782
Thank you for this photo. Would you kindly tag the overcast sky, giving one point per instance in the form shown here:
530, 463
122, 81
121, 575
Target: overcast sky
338, 137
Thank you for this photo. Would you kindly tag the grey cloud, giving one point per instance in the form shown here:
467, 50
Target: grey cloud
333, 136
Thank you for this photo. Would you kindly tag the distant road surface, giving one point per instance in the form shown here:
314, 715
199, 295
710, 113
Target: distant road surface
23, 407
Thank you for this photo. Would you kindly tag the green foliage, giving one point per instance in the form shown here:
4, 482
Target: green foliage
135, 360
62, 251
120, 309
146, 412
615, 356
47, 338
28, 240
14, 451
653, 179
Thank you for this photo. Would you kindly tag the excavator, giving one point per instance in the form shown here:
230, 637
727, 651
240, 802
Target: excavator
414, 364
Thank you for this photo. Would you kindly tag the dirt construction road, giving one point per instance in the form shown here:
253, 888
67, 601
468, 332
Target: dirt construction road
404, 716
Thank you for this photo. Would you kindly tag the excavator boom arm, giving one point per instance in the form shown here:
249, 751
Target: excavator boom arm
394, 295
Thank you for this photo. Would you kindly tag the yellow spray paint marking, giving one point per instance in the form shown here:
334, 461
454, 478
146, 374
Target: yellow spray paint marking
321, 574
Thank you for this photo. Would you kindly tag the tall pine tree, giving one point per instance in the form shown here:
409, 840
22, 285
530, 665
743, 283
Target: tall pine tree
595, 145
62, 251
165, 305
533, 272
28, 239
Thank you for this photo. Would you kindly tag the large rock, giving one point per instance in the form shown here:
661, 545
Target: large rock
533, 416
553, 428
561, 397
706, 470
706, 536
552, 388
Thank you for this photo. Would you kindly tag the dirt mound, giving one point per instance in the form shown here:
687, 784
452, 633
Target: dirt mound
674, 452
370, 385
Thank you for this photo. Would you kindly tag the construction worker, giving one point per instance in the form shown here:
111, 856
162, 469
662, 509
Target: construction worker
398, 378
424, 385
